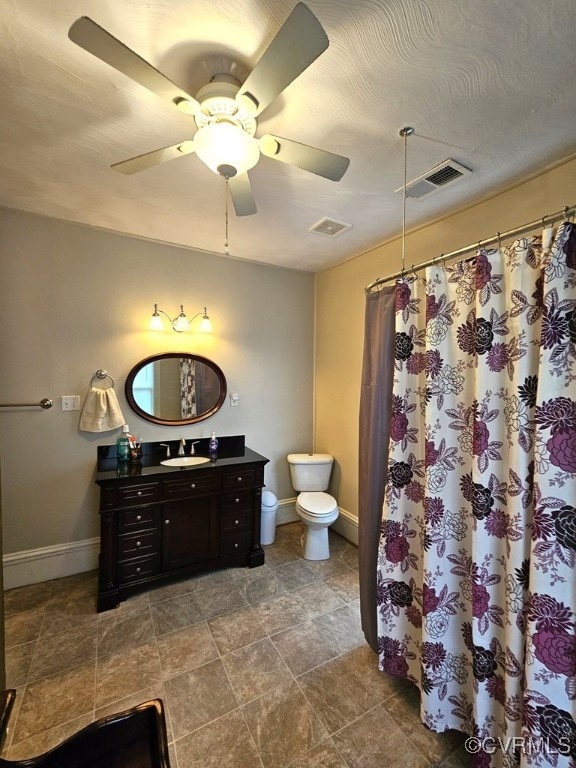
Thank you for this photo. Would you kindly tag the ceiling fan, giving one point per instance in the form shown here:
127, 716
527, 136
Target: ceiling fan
225, 111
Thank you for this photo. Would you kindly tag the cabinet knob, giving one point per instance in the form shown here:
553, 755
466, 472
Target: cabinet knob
239, 479
138, 570
236, 522
139, 493
138, 543
236, 501
192, 485
166, 522
138, 518
236, 545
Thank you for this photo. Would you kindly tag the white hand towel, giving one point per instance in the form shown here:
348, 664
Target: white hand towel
101, 411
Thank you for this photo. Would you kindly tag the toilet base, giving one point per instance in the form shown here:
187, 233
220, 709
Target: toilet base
314, 542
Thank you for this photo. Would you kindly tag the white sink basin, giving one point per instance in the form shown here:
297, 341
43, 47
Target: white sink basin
185, 461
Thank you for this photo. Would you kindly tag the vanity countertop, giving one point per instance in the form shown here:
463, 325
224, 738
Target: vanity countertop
149, 465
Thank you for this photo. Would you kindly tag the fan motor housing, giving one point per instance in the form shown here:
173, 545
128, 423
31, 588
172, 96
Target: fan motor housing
218, 102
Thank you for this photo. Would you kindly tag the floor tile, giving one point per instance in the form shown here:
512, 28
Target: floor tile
199, 696
27, 598
336, 694
23, 627
220, 599
68, 613
117, 632
224, 743
126, 672
303, 647
280, 613
283, 725
176, 613
186, 649
341, 628
54, 700
255, 669
65, 650
325, 755
18, 660
236, 629
374, 741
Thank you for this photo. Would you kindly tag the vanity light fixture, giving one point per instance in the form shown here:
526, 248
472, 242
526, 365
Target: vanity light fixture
180, 323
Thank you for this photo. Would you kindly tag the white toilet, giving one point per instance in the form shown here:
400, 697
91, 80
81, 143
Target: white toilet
310, 473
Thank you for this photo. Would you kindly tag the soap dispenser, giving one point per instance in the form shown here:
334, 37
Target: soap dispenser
123, 444
213, 447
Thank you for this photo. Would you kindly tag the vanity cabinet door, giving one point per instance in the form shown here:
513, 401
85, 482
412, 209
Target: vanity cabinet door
189, 532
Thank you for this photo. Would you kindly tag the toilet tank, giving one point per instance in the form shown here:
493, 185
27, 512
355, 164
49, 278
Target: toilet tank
310, 471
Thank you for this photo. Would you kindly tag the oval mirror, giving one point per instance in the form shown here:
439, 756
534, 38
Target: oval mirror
175, 388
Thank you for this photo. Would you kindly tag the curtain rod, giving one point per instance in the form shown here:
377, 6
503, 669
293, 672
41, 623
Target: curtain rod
550, 219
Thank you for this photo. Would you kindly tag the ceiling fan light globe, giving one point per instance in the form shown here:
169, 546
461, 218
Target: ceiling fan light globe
224, 144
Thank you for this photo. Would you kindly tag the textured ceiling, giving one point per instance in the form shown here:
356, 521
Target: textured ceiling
490, 84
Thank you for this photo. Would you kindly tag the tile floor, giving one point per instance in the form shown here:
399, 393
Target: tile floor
258, 668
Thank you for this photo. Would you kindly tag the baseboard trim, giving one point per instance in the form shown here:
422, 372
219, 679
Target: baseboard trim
33, 565
346, 525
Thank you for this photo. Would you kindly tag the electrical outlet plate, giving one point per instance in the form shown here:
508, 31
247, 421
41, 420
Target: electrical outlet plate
70, 402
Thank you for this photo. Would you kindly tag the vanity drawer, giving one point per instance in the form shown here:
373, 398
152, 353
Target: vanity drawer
131, 519
136, 570
235, 521
231, 544
237, 502
193, 485
240, 478
137, 544
130, 495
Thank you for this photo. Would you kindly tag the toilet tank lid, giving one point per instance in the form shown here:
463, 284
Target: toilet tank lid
310, 458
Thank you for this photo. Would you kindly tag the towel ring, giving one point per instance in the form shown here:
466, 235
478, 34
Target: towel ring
101, 374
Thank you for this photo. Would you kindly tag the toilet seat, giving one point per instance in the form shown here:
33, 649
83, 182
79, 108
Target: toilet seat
317, 503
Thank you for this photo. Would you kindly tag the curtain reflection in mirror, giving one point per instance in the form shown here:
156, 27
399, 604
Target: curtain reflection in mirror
187, 387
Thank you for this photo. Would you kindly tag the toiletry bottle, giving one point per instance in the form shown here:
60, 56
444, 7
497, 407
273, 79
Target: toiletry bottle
213, 447
123, 444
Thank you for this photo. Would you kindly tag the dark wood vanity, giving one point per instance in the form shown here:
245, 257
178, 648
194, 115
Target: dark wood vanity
160, 523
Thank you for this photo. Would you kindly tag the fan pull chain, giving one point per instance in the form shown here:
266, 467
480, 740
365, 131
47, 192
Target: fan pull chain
404, 132
226, 250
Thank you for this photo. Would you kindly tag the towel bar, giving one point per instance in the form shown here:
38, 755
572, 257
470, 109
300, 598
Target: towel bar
44, 403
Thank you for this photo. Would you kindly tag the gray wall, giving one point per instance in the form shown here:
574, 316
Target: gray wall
75, 299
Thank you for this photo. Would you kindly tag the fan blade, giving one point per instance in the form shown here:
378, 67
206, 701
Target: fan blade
150, 159
242, 197
316, 161
299, 42
97, 41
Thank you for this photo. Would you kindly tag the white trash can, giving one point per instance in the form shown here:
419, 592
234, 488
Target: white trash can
268, 517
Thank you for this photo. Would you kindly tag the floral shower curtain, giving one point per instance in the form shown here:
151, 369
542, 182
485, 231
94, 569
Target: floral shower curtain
476, 582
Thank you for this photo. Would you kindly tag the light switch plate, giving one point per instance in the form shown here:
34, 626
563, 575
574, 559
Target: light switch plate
234, 399
70, 402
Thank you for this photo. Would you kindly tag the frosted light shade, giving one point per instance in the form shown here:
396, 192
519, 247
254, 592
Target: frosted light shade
156, 323
224, 144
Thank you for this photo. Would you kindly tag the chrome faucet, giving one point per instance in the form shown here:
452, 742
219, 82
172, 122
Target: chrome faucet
192, 444
182, 447
167, 449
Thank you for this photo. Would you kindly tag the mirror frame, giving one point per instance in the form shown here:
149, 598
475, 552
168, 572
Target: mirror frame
174, 422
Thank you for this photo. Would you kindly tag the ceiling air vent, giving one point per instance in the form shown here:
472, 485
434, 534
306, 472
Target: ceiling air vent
329, 227
434, 179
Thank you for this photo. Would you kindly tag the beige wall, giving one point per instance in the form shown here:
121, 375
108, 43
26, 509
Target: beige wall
340, 307
74, 299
